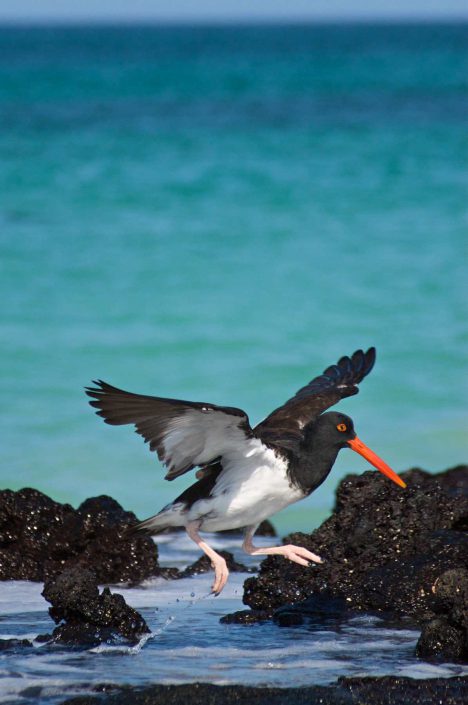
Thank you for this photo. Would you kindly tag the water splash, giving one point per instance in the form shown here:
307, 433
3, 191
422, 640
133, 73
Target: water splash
136, 648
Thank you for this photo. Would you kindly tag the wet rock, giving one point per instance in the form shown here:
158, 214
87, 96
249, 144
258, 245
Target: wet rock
404, 585
445, 638
441, 641
11, 644
169, 573
451, 592
28, 520
110, 551
454, 481
86, 617
209, 694
203, 565
376, 527
323, 609
392, 690
388, 690
245, 617
40, 537
384, 549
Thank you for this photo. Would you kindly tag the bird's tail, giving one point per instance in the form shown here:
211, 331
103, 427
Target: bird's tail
167, 518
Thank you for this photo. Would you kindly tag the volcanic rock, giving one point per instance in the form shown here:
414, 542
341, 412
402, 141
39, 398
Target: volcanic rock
387, 690
445, 638
86, 617
40, 537
246, 617
14, 644
384, 550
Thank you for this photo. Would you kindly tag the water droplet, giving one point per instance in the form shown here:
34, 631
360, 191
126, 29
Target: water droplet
192, 594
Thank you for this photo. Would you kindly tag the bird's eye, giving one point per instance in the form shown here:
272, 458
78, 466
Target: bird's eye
342, 427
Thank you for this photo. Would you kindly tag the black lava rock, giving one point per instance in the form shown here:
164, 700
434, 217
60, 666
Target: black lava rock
374, 529
388, 690
451, 591
40, 537
322, 609
84, 616
245, 617
441, 641
445, 638
385, 550
14, 644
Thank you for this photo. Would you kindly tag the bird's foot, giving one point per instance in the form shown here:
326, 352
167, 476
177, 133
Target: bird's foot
221, 574
218, 563
297, 554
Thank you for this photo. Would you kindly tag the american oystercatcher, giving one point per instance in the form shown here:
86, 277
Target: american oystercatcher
245, 474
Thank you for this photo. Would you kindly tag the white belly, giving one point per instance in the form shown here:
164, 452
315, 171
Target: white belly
249, 490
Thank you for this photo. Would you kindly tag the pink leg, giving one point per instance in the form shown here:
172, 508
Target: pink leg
217, 561
297, 554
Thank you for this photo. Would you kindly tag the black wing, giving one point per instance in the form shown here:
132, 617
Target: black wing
285, 426
183, 433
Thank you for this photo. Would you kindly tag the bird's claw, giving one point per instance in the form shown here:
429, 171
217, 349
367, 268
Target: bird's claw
221, 577
299, 554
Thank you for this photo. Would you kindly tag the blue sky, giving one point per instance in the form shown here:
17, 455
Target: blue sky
199, 10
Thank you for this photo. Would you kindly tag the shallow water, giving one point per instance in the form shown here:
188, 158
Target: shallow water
189, 644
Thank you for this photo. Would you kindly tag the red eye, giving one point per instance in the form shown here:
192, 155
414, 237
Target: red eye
342, 427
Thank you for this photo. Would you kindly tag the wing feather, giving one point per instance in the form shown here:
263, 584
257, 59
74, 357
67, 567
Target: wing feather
184, 434
284, 426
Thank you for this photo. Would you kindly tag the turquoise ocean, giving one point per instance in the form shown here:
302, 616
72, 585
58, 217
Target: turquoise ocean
217, 214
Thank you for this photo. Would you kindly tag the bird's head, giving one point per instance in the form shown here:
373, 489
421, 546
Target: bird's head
337, 430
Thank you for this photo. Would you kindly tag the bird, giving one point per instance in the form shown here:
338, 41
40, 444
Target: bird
245, 474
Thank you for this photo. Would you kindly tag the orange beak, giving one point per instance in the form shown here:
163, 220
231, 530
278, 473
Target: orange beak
377, 462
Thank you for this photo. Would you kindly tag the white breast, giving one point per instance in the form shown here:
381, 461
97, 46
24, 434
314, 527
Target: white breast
252, 486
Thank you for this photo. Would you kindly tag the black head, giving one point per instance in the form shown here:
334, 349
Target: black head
322, 442
334, 429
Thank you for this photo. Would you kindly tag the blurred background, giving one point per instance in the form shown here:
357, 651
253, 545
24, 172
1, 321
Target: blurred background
216, 204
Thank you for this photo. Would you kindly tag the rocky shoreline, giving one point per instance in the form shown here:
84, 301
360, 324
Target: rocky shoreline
40, 537
402, 554
74, 550
347, 691
398, 553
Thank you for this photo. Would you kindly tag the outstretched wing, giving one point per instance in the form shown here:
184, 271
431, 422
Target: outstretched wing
284, 426
183, 433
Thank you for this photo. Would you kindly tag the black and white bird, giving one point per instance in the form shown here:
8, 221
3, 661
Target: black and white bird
245, 474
